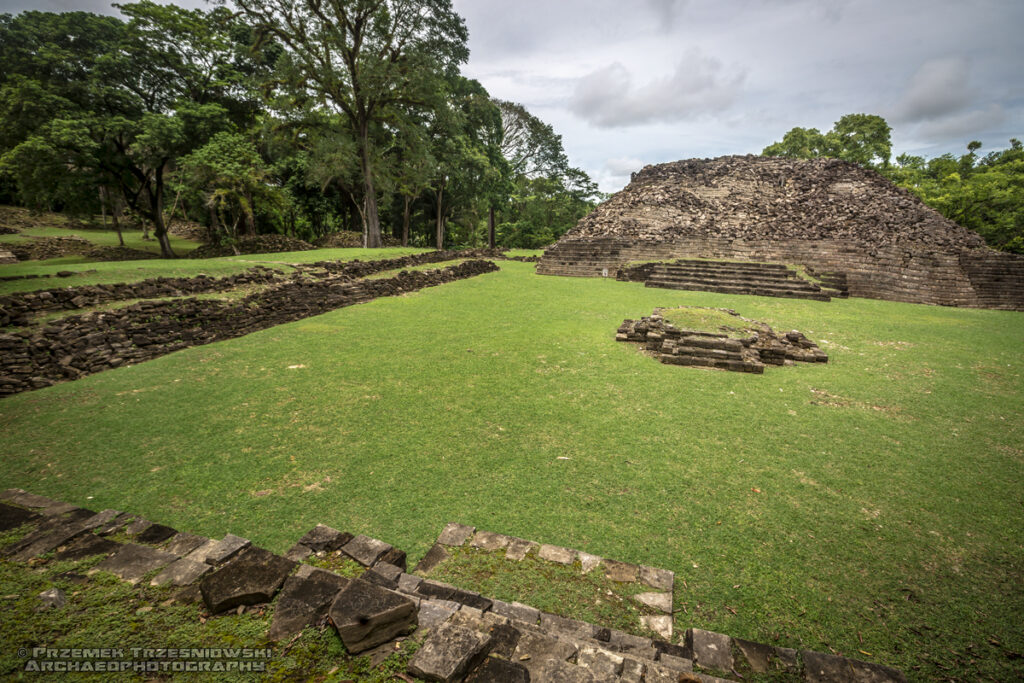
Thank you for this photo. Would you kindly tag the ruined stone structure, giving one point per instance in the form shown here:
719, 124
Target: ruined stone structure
464, 636
825, 215
756, 346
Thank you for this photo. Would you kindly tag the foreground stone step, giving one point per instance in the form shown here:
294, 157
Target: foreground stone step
465, 636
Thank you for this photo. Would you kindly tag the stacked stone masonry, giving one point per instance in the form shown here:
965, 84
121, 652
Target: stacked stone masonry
727, 277
80, 345
824, 215
702, 348
464, 636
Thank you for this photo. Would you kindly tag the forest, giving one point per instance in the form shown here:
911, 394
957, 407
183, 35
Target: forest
300, 118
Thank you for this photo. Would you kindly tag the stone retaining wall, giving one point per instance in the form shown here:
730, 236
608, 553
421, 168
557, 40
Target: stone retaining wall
464, 636
15, 309
976, 278
85, 344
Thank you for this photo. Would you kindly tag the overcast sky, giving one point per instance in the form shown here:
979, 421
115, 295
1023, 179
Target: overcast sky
628, 83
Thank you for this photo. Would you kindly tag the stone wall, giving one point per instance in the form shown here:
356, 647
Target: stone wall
80, 345
976, 278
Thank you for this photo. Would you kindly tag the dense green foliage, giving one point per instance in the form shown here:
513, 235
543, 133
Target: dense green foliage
985, 194
297, 117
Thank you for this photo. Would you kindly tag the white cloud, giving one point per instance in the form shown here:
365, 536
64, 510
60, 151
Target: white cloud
617, 172
608, 98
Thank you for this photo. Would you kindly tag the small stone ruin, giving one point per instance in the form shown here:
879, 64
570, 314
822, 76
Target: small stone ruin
747, 348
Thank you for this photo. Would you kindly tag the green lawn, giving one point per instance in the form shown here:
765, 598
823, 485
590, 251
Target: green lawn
871, 506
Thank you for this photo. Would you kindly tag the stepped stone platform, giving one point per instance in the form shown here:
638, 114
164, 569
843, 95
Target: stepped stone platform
825, 215
464, 636
726, 277
759, 345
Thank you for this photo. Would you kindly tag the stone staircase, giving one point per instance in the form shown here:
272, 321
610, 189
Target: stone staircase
728, 277
464, 636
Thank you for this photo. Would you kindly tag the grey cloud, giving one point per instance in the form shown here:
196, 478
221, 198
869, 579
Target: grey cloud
608, 98
939, 88
968, 124
667, 11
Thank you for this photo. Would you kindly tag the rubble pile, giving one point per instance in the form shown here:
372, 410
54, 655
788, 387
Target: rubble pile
754, 198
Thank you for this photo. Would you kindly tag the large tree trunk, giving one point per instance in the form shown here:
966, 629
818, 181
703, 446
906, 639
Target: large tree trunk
439, 230
490, 228
250, 216
115, 214
157, 214
405, 221
370, 218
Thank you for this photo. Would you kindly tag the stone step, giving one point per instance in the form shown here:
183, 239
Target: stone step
739, 289
734, 279
732, 266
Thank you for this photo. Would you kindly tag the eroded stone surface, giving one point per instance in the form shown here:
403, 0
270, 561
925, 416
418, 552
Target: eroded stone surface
554, 553
602, 664
52, 598
487, 540
304, 601
251, 578
324, 538
518, 549
181, 572
659, 601
495, 670
132, 561
660, 579
224, 549
435, 556
589, 562
366, 615
85, 545
156, 534
662, 625
517, 611
449, 652
710, 650
823, 668
434, 612
182, 544
623, 572
365, 550
455, 535
12, 517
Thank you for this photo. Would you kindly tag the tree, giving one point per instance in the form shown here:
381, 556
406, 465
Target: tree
799, 143
230, 174
864, 139
364, 58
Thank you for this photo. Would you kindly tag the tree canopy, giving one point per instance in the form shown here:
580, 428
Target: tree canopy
295, 116
985, 194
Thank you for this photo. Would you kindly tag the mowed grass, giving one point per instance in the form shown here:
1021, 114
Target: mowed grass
871, 506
